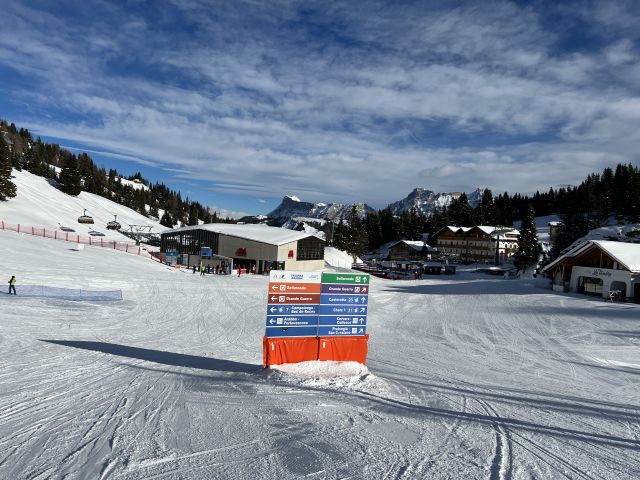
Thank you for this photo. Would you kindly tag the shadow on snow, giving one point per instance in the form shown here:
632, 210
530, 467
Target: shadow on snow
161, 357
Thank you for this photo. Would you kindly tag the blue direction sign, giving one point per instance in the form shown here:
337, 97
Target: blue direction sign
292, 309
291, 320
343, 304
343, 320
330, 331
333, 299
292, 331
343, 310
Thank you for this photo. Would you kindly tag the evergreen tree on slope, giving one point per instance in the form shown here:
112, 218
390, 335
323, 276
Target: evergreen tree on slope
7, 187
528, 249
70, 175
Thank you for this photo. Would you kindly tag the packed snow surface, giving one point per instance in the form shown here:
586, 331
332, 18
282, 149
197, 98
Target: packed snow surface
468, 377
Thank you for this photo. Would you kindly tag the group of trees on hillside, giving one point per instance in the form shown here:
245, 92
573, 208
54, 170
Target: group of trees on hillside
77, 173
7, 187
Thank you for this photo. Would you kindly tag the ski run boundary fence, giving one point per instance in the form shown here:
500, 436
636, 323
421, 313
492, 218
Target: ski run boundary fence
127, 247
67, 293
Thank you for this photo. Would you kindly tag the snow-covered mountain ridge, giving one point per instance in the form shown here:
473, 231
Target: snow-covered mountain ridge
427, 202
292, 207
423, 200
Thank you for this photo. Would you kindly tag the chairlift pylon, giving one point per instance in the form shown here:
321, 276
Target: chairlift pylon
84, 218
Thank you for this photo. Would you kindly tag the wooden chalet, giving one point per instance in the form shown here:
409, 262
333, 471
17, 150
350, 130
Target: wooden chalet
598, 267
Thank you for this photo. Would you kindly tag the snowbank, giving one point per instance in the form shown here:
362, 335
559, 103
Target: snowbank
326, 374
337, 258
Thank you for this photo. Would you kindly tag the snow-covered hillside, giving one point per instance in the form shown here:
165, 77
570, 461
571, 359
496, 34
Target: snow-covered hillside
39, 204
468, 377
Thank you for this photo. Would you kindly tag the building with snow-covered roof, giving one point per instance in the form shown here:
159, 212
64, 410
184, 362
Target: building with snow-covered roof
409, 250
598, 267
478, 244
245, 245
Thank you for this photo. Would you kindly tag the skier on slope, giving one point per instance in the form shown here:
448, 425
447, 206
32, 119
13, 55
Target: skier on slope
12, 285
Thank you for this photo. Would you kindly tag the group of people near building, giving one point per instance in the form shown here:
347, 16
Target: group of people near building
220, 269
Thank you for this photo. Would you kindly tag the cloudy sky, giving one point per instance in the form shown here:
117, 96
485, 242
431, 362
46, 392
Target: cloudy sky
238, 103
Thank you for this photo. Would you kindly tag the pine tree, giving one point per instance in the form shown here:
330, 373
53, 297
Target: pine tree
340, 234
7, 187
70, 175
357, 240
528, 248
166, 220
193, 214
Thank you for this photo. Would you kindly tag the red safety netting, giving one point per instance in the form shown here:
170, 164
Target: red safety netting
127, 247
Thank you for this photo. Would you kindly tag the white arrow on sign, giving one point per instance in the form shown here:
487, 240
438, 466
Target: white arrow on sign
274, 298
275, 287
272, 321
272, 309
362, 309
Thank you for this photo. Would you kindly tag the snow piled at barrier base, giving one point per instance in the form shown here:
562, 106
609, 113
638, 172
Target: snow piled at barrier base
329, 374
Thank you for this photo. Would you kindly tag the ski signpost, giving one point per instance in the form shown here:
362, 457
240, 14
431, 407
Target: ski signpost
292, 304
316, 316
344, 301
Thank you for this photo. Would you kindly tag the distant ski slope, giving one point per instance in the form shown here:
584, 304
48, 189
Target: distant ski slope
40, 204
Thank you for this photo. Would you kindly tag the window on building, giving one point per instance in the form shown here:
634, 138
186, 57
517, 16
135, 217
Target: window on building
310, 248
590, 285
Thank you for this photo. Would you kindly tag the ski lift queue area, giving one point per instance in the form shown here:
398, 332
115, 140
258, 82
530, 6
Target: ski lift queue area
254, 248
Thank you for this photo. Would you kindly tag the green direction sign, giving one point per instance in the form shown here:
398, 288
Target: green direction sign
353, 278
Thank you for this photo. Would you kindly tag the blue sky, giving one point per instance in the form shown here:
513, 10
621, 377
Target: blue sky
236, 104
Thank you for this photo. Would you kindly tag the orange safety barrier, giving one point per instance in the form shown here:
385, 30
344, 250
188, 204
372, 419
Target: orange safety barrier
289, 350
277, 351
344, 349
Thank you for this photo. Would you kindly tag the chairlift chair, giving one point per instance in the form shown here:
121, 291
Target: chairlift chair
84, 218
114, 224
65, 229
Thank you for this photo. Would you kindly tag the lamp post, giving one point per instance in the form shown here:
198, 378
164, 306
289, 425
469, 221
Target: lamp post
497, 230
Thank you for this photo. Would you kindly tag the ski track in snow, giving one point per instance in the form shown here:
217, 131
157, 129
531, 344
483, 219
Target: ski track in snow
471, 377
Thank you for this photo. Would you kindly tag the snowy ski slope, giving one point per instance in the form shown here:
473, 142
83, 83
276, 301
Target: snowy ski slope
468, 377
38, 204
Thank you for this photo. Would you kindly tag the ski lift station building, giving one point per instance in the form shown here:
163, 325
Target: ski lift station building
246, 245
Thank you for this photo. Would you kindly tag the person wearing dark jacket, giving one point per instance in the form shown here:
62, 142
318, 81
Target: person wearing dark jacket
12, 285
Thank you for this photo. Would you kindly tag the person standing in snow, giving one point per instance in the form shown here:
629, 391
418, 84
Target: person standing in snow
12, 285
202, 269
194, 269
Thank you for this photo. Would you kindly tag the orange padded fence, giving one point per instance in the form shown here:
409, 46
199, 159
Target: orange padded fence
343, 349
277, 351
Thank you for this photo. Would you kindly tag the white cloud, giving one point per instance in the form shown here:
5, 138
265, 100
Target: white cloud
256, 105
